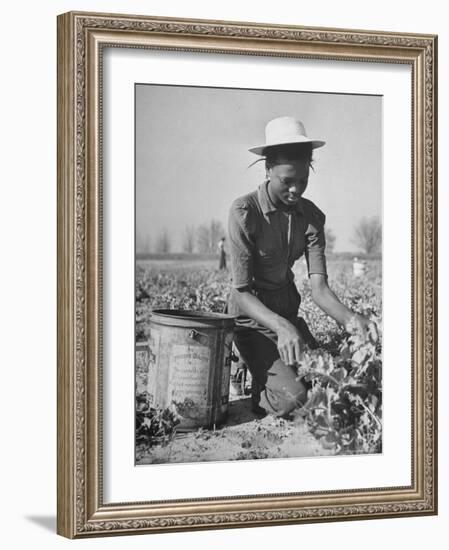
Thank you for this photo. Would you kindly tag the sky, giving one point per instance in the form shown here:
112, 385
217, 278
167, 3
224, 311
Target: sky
192, 155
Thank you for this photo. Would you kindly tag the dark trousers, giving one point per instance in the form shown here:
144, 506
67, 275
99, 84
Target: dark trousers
276, 387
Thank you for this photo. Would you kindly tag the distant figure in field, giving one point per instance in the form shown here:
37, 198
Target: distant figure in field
358, 267
222, 254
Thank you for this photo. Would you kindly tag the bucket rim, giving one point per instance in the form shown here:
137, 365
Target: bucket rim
192, 315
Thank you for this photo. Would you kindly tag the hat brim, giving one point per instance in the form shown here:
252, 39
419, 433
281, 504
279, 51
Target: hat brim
260, 149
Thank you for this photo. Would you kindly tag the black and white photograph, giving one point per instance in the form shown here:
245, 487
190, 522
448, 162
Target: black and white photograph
258, 274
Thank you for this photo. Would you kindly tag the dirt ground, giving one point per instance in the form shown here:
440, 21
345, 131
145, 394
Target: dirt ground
243, 436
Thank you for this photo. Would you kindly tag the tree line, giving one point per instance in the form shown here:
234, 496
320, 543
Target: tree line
203, 239
366, 236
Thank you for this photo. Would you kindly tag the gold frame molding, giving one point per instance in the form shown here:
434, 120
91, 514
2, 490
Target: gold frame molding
81, 37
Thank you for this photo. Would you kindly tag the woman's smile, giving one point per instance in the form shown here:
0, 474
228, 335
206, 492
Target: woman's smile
293, 198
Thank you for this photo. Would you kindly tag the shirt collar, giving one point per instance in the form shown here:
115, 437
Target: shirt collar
266, 204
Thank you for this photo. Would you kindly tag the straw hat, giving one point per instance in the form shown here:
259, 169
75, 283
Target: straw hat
285, 130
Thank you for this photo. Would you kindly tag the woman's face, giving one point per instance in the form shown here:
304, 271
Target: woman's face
287, 181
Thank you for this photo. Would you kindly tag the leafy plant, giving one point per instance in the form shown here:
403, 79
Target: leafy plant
153, 424
344, 405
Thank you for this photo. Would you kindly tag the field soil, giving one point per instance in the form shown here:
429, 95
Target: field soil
243, 436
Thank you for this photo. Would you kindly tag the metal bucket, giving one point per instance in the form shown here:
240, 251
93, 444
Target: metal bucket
189, 364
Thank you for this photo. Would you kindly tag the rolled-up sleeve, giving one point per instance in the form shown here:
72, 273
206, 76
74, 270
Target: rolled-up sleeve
241, 245
316, 243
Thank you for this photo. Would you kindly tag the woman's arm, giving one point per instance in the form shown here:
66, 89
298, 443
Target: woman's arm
325, 298
289, 342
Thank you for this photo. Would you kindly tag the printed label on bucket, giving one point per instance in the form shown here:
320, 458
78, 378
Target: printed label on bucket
189, 379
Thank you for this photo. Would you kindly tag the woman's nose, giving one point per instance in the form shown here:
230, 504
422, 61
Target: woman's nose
293, 188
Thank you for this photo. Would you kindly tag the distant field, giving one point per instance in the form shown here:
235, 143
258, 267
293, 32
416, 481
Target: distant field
178, 263
194, 282
336, 263
184, 256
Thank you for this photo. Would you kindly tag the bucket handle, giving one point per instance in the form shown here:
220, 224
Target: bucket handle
197, 336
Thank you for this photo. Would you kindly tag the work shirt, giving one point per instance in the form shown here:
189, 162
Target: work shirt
265, 241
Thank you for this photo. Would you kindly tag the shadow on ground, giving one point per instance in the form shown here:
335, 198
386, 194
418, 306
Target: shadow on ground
240, 412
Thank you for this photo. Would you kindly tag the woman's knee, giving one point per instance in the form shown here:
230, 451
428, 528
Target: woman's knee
289, 400
283, 391
280, 404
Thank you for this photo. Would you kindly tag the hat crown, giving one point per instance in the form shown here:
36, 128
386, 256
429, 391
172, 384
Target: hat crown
284, 129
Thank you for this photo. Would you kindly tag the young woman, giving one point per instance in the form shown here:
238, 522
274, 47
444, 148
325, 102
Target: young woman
269, 229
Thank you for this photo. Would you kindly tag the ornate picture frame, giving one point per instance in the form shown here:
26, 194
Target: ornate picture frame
82, 40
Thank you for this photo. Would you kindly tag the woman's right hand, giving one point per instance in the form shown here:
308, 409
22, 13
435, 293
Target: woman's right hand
290, 343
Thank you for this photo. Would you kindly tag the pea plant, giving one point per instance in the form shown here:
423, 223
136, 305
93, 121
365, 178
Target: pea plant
344, 404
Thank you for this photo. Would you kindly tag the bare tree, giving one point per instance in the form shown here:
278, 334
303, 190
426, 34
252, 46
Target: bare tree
163, 242
216, 233
368, 235
202, 239
330, 239
208, 236
188, 244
